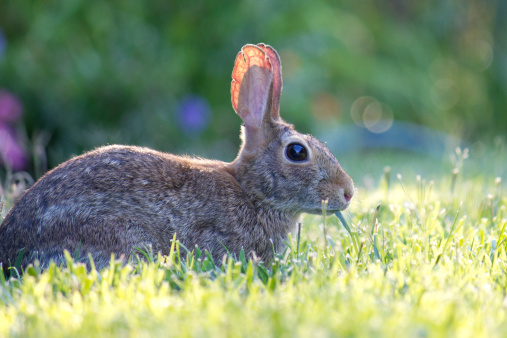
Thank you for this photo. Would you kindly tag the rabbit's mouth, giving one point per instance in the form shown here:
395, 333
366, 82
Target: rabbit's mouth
330, 209
335, 204
329, 212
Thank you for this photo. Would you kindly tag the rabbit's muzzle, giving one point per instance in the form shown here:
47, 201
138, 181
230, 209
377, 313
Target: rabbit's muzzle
338, 191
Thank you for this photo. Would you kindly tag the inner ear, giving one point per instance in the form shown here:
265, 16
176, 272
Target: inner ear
254, 96
251, 85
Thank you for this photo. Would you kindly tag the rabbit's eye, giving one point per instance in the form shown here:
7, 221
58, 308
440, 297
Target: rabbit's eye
296, 152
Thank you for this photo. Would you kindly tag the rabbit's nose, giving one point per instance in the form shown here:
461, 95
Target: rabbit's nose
347, 196
345, 183
348, 191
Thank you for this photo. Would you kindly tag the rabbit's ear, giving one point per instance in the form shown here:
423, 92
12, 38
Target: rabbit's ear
251, 85
276, 68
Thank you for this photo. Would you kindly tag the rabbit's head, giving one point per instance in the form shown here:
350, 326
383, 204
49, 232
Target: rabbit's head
276, 165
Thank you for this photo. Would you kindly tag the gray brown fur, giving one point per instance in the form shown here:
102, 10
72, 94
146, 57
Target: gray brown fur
116, 198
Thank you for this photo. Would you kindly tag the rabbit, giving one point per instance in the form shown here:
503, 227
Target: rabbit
117, 198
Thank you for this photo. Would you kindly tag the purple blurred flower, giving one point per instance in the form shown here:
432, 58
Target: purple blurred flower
10, 107
11, 152
193, 114
3, 43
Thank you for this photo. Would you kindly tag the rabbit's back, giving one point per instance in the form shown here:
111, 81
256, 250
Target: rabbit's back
118, 197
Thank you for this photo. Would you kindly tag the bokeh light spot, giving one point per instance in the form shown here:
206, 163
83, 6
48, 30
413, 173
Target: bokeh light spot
369, 113
483, 53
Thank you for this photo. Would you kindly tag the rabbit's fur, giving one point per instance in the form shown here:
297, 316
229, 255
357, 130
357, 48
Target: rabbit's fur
117, 198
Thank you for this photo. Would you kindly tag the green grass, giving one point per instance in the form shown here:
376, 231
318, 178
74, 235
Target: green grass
431, 261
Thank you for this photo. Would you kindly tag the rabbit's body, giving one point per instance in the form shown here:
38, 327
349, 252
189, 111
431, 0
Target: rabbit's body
117, 198
127, 197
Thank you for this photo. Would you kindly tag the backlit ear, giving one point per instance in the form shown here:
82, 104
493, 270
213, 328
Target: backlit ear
251, 85
276, 69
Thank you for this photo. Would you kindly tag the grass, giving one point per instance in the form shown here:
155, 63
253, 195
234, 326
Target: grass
430, 261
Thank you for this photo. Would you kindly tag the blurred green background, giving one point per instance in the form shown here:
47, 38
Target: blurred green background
157, 73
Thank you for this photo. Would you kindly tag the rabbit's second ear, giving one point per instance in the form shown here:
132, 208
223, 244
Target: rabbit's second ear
251, 85
276, 69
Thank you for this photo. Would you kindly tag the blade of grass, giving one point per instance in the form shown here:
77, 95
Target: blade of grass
346, 226
299, 236
454, 228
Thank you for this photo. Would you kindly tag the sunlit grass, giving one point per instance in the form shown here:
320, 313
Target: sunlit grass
422, 257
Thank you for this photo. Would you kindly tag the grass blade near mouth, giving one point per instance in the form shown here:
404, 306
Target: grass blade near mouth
347, 227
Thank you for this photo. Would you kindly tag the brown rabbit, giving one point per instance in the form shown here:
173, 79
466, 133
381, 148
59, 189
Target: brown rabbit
116, 198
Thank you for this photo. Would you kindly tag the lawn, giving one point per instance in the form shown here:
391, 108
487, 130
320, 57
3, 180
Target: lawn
425, 256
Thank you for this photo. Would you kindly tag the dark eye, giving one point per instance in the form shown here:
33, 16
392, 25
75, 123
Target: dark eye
296, 152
